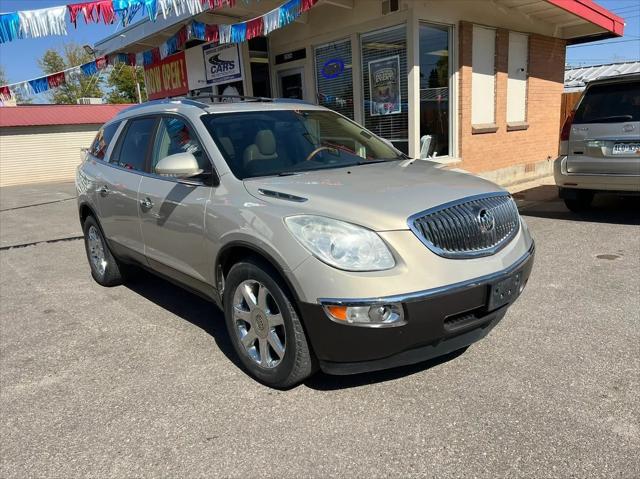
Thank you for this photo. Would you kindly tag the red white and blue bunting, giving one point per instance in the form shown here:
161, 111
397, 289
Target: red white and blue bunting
45, 22
218, 34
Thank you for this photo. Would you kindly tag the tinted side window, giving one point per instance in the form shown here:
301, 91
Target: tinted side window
133, 147
176, 136
610, 103
103, 138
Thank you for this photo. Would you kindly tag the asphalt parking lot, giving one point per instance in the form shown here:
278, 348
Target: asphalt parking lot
140, 380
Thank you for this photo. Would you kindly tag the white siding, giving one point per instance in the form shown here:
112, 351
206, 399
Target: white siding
483, 79
517, 81
39, 154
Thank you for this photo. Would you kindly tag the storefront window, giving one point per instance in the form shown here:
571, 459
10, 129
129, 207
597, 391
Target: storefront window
334, 79
434, 90
384, 74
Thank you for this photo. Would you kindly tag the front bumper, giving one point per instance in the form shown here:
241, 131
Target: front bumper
439, 321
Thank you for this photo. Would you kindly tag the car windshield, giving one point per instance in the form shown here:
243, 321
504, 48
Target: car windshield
282, 142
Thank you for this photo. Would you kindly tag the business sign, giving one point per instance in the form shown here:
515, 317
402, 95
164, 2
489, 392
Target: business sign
384, 86
166, 78
222, 64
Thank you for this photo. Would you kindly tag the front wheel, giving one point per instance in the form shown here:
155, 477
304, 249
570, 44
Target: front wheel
264, 327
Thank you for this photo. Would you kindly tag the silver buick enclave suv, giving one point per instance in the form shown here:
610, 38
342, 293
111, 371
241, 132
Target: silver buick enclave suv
323, 245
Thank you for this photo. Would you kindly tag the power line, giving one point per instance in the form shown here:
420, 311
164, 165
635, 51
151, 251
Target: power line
604, 43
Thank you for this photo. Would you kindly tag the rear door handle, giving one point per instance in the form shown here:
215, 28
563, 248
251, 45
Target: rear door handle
103, 190
146, 204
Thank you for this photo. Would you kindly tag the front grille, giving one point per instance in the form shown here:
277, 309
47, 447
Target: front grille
471, 227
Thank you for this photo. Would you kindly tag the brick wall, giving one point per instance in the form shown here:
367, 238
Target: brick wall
483, 152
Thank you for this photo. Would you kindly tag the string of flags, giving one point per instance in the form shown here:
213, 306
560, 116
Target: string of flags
49, 21
217, 34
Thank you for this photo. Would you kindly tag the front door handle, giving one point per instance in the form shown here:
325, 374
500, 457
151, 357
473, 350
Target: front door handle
103, 190
146, 204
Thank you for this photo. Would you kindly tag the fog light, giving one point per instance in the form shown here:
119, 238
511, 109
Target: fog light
377, 315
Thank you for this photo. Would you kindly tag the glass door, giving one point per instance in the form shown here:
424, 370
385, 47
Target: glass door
291, 83
435, 78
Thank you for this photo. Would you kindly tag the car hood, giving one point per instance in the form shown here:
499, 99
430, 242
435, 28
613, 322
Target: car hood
380, 196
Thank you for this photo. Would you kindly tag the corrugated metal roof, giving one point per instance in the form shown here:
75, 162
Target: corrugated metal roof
41, 115
576, 78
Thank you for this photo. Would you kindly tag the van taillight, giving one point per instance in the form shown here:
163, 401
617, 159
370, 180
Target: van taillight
566, 128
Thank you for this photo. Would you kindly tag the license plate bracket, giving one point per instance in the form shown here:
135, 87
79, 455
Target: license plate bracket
505, 290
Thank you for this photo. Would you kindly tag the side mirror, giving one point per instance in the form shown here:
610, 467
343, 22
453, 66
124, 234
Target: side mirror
180, 165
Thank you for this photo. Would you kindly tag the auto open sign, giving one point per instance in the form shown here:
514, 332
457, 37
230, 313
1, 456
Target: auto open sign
166, 78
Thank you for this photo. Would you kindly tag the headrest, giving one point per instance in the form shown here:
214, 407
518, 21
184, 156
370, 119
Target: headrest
227, 146
266, 142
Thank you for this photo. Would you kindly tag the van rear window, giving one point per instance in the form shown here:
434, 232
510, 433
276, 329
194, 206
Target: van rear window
610, 103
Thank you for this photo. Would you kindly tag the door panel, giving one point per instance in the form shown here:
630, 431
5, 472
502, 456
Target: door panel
117, 195
117, 190
173, 225
173, 212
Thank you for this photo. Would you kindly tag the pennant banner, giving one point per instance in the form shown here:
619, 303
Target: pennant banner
53, 20
50, 21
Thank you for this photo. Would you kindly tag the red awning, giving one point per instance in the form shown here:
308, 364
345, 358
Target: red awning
593, 13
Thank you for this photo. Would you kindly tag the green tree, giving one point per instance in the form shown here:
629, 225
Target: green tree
76, 86
122, 81
20, 100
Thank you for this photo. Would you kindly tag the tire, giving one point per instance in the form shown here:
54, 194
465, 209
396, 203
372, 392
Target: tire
582, 201
106, 272
258, 308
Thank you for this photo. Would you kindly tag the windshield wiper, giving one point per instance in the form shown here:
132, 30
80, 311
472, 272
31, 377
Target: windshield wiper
289, 173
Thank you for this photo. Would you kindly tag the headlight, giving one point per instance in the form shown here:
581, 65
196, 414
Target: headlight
339, 244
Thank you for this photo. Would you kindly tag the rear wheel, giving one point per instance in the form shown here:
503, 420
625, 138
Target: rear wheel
104, 267
264, 327
581, 202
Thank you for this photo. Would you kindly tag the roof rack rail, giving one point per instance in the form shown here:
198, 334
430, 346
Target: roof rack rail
213, 97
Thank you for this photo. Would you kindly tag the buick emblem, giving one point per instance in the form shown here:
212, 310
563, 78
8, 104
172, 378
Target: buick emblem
486, 220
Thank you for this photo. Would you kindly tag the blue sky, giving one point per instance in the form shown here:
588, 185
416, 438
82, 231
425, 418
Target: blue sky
19, 58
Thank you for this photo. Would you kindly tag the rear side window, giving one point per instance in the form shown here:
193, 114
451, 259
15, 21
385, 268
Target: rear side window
103, 138
610, 103
132, 150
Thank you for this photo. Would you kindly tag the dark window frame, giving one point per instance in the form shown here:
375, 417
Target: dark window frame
123, 133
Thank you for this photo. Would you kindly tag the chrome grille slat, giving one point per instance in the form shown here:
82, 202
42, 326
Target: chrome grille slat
455, 230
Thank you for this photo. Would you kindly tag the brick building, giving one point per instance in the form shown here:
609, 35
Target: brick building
474, 84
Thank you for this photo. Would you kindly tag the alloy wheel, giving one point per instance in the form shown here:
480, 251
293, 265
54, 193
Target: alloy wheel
96, 250
259, 324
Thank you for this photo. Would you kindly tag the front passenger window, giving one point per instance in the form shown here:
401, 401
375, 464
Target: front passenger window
176, 136
133, 149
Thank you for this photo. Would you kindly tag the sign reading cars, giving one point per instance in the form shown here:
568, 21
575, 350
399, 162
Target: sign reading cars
222, 64
167, 77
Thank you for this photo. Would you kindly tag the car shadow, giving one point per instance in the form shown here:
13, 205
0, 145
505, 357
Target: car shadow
189, 306
327, 382
543, 202
208, 317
